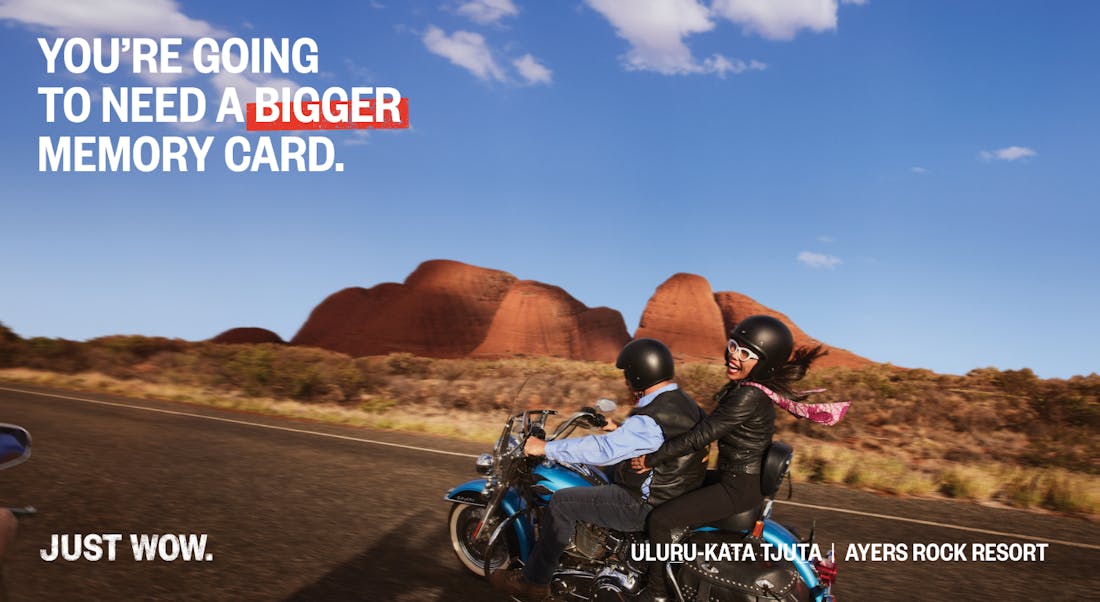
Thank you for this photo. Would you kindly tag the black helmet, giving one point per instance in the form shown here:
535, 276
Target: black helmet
645, 362
767, 337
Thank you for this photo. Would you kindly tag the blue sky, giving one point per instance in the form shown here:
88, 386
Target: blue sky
913, 181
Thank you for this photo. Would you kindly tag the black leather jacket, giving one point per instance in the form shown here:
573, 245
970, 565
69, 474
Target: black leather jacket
743, 423
676, 414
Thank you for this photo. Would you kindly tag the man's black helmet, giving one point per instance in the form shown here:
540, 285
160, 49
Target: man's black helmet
767, 337
645, 362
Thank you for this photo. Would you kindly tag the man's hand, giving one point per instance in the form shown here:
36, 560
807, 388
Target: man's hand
534, 447
638, 464
610, 426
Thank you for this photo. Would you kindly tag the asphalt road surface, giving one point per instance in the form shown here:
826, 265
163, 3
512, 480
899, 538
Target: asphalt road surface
296, 510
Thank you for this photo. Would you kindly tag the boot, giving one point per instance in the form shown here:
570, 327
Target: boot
515, 583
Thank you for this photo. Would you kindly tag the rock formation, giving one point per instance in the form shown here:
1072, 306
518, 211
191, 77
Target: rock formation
247, 335
540, 319
682, 313
736, 307
448, 309
443, 309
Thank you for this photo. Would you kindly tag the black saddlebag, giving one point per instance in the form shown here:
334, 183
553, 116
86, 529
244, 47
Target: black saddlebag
745, 581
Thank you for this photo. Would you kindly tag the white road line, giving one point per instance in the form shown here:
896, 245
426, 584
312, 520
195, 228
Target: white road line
244, 422
451, 453
1075, 544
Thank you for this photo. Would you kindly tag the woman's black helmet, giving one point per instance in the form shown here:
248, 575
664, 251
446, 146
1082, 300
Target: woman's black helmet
645, 362
767, 337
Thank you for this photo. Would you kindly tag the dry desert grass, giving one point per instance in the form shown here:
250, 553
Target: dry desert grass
992, 436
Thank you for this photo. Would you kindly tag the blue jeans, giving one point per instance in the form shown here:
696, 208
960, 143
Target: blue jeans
608, 506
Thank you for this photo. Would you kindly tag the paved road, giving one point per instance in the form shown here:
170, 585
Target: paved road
291, 514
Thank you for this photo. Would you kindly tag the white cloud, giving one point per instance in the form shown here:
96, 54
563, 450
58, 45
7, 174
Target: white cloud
124, 17
356, 70
721, 65
532, 70
150, 18
465, 49
246, 83
1008, 153
656, 30
920, 171
487, 12
818, 260
826, 239
357, 138
778, 19
857, 2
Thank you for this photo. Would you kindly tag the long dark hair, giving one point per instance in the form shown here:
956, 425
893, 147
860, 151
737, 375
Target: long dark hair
783, 378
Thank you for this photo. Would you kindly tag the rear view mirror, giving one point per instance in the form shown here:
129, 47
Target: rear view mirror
15, 445
605, 405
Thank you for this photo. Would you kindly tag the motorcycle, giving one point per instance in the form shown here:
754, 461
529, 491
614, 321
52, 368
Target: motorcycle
15, 445
15, 448
493, 525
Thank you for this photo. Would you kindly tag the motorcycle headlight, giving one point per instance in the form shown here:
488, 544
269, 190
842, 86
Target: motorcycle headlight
484, 463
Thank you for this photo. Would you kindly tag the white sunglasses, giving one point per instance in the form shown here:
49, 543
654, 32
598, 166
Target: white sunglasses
741, 353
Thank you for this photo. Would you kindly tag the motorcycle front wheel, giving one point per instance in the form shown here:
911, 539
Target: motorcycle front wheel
464, 520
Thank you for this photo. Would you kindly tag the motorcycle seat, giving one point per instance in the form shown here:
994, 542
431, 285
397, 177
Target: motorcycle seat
742, 521
776, 464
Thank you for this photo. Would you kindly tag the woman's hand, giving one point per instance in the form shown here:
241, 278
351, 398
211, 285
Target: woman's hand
638, 464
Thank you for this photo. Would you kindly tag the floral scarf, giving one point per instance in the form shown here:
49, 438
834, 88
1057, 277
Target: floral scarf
821, 413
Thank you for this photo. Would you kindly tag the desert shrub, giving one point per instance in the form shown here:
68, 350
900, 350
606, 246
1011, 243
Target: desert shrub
1025, 488
967, 482
376, 405
408, 364
129, 348
1017, 382
1067, 492
373, 374
250, 368
10, 345
59, 355
7, 335
701, 381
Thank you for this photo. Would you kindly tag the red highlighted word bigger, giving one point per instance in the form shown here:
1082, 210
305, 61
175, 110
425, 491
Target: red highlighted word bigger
333, 109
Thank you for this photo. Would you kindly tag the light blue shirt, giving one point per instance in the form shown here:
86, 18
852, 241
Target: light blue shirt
637, 435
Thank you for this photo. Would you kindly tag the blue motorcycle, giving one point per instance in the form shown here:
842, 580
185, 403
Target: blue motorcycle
15, 448
493, 524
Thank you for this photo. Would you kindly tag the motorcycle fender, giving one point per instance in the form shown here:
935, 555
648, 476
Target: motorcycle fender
778, 536
473, 493
470, 492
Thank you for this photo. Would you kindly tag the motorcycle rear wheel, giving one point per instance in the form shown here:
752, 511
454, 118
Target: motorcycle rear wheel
463, 521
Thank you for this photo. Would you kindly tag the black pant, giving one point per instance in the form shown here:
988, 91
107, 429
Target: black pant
734, 494
608, 506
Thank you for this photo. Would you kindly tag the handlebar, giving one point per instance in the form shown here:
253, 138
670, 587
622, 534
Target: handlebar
587, 417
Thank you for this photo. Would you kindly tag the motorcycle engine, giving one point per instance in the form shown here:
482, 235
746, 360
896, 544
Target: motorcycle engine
597, 567
590, 542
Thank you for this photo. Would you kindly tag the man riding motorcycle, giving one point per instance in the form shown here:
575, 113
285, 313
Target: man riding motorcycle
662, 411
